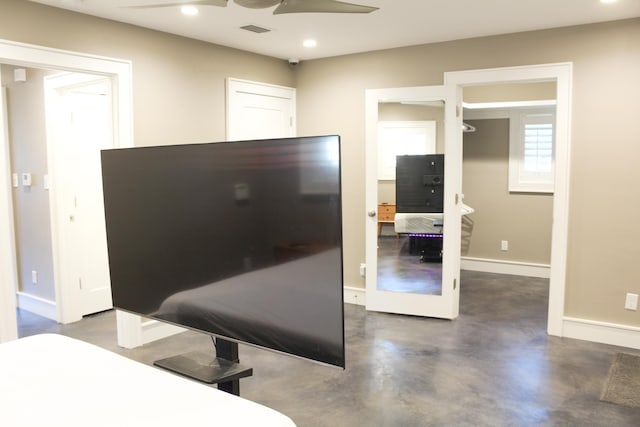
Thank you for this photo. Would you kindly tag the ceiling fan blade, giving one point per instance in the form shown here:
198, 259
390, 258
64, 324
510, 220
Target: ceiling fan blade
220, 3
320, 6
257, 4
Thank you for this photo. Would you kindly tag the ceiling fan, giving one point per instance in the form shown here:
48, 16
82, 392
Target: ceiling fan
284, 6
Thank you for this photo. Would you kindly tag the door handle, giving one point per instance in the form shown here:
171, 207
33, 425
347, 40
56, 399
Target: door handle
371, 213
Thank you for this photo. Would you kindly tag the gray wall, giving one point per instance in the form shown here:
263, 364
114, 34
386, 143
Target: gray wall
405, 112
523, 219
28, 147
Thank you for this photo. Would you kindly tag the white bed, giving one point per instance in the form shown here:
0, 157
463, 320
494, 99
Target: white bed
423, 223
52, 380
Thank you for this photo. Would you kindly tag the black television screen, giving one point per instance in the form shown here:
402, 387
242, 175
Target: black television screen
241, 240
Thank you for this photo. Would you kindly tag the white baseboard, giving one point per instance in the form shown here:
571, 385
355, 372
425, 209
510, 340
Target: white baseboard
505, 267
601, 332
37, 305
353, 295
153, 330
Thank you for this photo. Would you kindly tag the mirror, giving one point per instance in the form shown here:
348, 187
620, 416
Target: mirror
410, 196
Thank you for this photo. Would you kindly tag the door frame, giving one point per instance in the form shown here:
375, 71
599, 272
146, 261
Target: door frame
26, 55
562, 74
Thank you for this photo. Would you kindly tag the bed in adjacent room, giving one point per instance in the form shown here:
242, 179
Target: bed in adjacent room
53, 380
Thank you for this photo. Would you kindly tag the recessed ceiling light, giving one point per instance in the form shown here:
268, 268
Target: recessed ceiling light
309, 43
189, 10
608, 1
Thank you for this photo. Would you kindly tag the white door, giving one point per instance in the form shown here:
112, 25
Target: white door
259, 111
83, 126
398, 278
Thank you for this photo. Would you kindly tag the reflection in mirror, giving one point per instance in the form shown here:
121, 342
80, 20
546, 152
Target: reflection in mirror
410, 192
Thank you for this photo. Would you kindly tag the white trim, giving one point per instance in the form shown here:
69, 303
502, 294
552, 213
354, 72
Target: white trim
516, 268
8, 262
602, 332
40, 306
354, 295
562, 74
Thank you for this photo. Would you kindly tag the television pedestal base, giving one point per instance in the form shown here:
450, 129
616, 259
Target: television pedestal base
223, 370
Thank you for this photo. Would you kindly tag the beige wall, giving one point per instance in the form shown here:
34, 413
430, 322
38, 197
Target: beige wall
179, 96
178, 83
606, 58
393, 111
523, 219
511, 92
28, 148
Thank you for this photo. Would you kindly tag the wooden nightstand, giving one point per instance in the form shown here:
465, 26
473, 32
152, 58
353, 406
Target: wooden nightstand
386, 215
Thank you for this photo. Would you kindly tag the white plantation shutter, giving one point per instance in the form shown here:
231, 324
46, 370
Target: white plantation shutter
531, 151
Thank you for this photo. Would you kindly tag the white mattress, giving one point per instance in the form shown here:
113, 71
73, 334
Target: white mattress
428, 223
51, 380
418, 223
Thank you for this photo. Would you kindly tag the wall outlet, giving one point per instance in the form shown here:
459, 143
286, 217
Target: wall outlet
504, 245
631, 302
34, 277
14, 180
363, 270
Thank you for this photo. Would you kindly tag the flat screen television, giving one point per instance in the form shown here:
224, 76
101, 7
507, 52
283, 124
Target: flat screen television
240, 240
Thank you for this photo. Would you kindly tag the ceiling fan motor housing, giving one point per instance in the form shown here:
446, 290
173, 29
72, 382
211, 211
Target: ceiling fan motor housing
257, 4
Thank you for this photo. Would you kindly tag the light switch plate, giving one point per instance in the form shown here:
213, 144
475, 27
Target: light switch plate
26, 179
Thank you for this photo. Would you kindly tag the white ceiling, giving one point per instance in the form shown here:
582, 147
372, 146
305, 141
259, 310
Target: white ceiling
397, 22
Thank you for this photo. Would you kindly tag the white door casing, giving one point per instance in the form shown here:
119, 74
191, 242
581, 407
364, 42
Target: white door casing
446, 304
8, 264
561, 74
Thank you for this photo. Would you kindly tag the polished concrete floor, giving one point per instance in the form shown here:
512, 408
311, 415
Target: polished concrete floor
399, 270
493, 366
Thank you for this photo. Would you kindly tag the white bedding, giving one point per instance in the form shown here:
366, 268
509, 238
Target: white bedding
51, 380
428, 223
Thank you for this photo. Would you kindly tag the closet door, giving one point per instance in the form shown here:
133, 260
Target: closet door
259, 111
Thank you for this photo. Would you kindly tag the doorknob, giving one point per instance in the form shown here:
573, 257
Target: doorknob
371, 213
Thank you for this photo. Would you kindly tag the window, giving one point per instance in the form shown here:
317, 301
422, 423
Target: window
400, 138
531, 150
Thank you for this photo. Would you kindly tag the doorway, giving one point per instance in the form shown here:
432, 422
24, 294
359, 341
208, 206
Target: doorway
119, 72
561, 75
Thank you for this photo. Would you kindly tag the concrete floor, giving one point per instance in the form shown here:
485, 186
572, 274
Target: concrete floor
493, 366
401, 271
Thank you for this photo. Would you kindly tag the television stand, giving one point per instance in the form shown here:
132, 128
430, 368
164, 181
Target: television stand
222, 369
